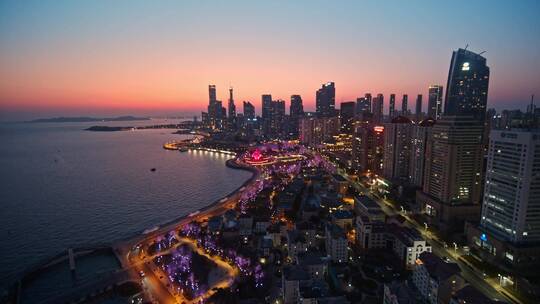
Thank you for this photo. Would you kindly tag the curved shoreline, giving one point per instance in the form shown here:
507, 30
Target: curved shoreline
117, 247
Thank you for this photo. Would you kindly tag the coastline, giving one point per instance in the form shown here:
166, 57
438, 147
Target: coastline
119, 246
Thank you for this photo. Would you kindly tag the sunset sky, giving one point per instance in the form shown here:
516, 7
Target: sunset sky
158, 57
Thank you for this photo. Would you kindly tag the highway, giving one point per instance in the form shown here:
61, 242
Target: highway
491, 289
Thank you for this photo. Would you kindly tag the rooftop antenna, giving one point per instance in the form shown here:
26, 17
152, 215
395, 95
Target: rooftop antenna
482, 52
466, 46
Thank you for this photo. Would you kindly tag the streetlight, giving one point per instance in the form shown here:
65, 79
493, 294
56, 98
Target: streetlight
455, 247
425, 225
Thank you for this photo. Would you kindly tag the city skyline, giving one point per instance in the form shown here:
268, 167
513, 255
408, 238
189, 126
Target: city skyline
115, 64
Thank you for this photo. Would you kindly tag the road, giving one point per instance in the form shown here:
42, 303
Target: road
156, 288
490, 289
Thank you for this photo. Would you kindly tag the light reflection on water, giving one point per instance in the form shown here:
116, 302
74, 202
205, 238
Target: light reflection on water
62, 187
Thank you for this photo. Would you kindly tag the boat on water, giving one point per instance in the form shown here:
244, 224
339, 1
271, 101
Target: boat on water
183, 149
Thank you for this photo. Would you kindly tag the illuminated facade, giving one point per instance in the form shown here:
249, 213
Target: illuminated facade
512, 192
454, 161
435, 101
397, 148
367, 148
315, 131
419, 138
325, 100
467, 86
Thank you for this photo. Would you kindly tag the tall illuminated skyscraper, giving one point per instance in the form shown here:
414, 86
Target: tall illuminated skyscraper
467, 87
435, 101
325, 100
512, 195
509, 230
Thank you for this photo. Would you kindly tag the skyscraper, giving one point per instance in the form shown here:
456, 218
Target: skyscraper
509, 230
277, 118
314, 131
215, 111
249, 110
325, 99
467, 87
404, 107
347, 112
397, 148
511, 198
435, 101
418, 112
296, 112
419, 137
367, 148
392, 107
232, 110
266, 112
453, 172
363, 105
378, 103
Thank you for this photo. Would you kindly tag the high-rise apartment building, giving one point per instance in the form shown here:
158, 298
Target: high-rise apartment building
363, 105
397, 149
325, 100
347, 113
419, 137
435, 101
266, 112
418, 112
378, 104
404, 105
296, 112
392, 106
249, 110
232, 110
453, 172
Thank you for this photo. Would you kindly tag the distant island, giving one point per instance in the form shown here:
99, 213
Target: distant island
88, 119
107, 129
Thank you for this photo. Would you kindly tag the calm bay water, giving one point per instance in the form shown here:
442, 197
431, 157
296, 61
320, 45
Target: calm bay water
61, 186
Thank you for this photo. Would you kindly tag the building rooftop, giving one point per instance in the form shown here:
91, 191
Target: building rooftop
437, 268
366, 201
405, 293
469, 294
405, 235
335, 231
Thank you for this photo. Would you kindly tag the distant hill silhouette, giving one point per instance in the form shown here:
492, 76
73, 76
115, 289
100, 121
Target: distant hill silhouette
89, 119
